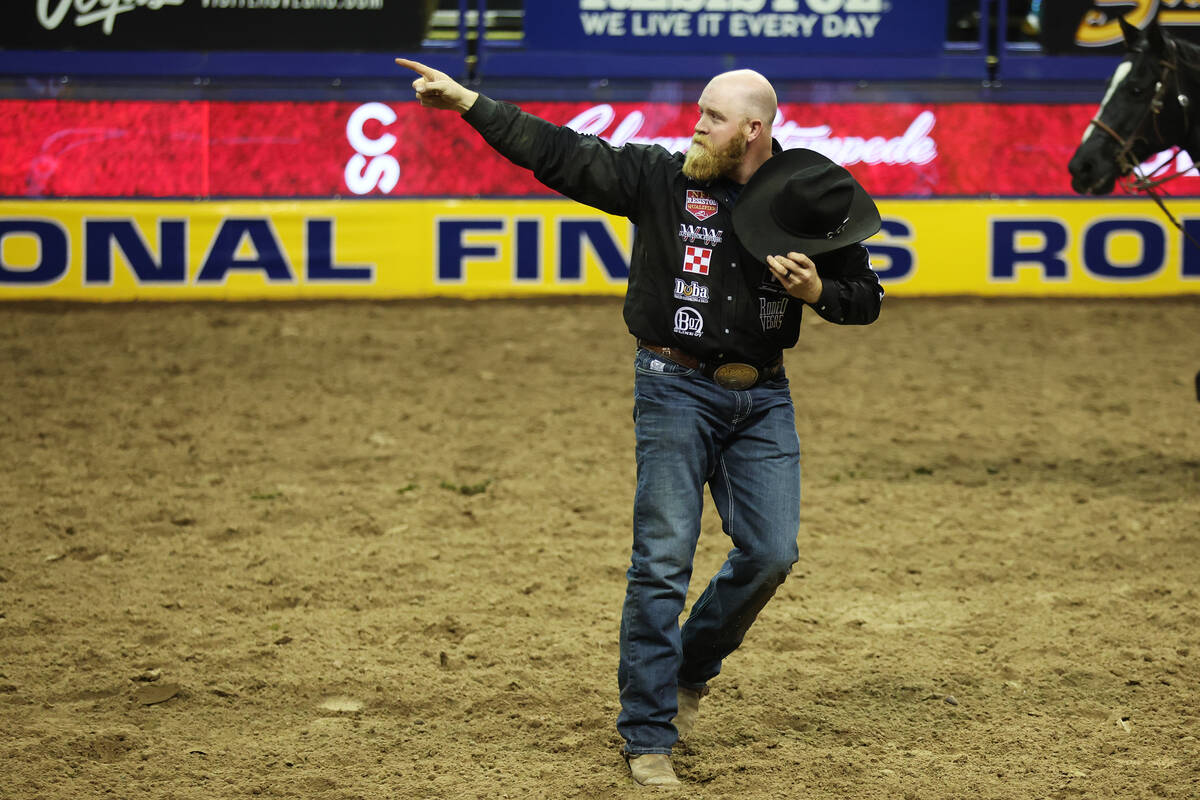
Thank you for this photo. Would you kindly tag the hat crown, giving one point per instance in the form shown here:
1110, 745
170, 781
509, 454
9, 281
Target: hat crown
814, 202
799, 200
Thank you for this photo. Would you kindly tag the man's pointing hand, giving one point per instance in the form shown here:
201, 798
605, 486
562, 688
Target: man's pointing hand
436, 89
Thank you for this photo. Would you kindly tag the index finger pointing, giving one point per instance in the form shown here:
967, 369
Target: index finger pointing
419, 68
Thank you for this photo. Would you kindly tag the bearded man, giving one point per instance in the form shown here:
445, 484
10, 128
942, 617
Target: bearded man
733, 240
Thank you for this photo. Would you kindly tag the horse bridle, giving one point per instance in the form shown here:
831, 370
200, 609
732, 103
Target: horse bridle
1127, 162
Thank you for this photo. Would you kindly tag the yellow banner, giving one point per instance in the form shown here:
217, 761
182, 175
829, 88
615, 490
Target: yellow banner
1031, 248
252, 250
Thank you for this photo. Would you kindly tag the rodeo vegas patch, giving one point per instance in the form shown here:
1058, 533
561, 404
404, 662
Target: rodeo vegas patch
700, 205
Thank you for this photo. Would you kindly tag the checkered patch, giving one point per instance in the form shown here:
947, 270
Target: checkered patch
697, 259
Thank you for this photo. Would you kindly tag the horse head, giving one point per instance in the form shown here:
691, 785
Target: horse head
1145, 110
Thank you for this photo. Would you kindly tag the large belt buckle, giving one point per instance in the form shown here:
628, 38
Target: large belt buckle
736, 376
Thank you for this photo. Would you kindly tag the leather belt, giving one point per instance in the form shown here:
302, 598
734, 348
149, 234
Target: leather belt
733, 375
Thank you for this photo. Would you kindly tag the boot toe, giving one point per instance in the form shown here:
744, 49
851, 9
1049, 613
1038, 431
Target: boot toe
653, 769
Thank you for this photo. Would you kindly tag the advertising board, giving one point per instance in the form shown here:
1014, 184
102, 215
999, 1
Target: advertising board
800, 27
539, 247
177, 149
253, 25
1081, 27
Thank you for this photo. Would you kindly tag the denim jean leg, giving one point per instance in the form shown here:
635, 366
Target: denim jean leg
674, 451
756, 491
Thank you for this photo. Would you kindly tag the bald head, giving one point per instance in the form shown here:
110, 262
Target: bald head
733, 134
747, 93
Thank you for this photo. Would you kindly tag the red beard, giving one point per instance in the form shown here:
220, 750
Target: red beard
704, 164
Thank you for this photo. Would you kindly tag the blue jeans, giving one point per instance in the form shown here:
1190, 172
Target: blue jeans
743, 444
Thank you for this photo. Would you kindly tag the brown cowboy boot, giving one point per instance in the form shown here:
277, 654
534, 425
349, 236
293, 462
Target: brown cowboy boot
689, 709
652, 769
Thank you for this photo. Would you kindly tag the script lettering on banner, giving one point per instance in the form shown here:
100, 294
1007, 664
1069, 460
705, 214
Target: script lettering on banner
86, 12
212, 26
915, 146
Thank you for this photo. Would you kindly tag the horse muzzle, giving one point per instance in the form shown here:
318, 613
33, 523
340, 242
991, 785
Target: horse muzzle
1093, 171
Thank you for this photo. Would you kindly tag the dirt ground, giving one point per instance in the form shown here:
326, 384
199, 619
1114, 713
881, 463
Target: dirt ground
336, 551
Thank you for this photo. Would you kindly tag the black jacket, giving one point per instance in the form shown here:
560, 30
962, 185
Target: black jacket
691, 283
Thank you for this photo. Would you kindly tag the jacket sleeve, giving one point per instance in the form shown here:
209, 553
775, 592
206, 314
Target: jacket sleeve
584, 168
850, 293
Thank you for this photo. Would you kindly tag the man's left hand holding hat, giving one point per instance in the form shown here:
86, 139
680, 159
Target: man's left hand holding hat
798, 275
802, 204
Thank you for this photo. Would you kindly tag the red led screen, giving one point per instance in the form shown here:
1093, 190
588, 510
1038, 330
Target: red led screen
328, 149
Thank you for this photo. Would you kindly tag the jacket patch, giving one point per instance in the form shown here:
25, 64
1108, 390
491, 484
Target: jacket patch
694, 291
689, 322
697, 259
700, 205
698, 233
770, 313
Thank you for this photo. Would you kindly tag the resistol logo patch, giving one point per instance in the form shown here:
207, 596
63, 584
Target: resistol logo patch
700, 205
697, 259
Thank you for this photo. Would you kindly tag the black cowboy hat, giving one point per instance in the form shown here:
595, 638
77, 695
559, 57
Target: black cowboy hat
800, 200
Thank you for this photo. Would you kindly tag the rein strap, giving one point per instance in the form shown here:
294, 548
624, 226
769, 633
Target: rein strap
1125, 158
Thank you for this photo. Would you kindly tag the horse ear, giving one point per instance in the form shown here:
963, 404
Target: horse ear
1130, 32
1154, 37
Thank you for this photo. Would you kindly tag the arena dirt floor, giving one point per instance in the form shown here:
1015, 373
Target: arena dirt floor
343, 551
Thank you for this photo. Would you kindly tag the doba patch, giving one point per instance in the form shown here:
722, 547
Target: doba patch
694, 291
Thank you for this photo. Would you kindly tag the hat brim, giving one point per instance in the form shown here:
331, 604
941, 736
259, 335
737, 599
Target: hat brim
760, 234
